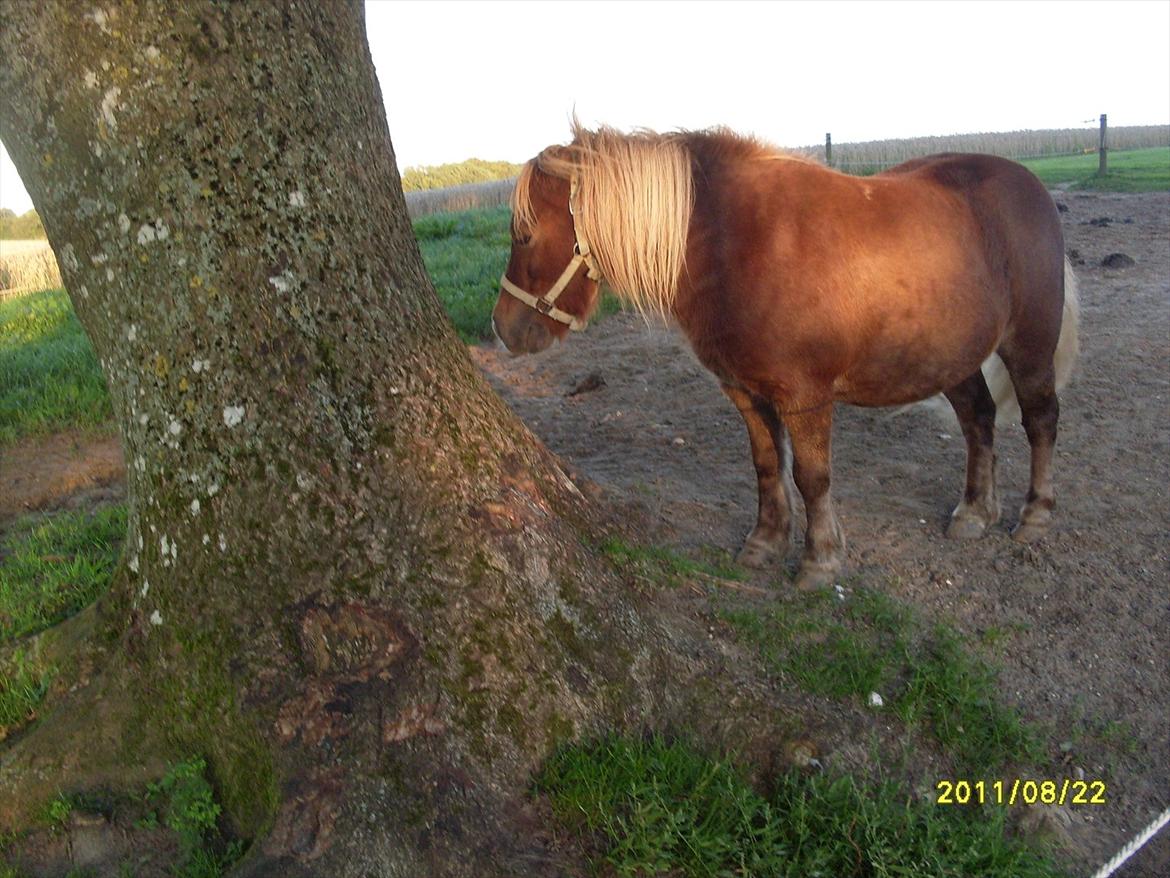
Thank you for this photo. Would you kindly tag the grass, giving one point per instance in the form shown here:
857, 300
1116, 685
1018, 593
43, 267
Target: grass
23, 685
52, 568
925, 675
49, 376
650, 807
1139, 170
49, 570
465, 253
666, 566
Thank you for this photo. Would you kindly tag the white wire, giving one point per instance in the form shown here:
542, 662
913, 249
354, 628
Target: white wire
1132, 848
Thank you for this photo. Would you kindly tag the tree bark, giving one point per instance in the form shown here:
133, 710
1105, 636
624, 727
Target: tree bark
352, 578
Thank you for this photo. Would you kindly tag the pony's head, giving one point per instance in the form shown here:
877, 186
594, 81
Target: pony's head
551, 283
607, 205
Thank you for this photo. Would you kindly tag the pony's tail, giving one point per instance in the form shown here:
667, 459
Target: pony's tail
1007, 407
995, 373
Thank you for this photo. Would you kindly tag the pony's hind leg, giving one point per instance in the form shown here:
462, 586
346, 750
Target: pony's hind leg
979, 508
1040, 412
772, 457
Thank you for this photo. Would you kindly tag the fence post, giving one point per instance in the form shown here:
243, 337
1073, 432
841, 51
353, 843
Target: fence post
1101, 160
829, 149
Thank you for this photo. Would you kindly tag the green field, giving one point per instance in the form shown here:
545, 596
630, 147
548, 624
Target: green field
1139, 170
465, 254
50, 379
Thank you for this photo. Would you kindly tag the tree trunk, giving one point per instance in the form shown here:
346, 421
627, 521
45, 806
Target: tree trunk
352, 578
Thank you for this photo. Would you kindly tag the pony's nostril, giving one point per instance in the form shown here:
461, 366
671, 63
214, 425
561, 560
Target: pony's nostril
537, 338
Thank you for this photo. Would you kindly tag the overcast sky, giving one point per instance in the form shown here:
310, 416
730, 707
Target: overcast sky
499, 80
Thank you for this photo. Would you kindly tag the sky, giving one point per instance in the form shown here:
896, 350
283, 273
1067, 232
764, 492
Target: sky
499, 80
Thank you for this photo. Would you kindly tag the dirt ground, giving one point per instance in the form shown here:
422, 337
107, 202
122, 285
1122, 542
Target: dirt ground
1088, 608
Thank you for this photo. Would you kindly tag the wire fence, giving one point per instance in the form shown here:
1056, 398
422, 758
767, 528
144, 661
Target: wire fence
877, 155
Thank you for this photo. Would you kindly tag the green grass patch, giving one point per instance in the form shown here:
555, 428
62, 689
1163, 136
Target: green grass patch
1138, 170
465, 254
49, 376
50, 568
926, 676
23, 685
665, 566
649, 807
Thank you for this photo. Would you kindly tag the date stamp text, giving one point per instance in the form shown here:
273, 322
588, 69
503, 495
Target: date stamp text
1020, 792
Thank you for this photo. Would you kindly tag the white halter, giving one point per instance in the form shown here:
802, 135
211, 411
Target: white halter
546, 304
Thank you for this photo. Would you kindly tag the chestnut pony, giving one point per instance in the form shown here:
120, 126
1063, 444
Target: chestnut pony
799, 287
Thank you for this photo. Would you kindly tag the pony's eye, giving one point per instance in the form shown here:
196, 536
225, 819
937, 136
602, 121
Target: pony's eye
523, 240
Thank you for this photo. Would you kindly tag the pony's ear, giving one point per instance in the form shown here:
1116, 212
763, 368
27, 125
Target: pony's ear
556, 153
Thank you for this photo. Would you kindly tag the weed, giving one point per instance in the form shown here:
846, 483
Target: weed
58, 810
187, 803
28, 265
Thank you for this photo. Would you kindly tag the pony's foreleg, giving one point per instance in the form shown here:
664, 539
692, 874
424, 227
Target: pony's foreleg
979, 508
824, 542
772, 456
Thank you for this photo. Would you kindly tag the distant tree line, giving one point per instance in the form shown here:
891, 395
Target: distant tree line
20, 228
443, 176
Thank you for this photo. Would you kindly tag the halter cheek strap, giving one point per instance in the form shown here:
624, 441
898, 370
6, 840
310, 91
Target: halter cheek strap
546, 304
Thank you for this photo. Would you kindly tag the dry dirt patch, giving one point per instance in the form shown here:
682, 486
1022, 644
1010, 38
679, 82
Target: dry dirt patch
64, 470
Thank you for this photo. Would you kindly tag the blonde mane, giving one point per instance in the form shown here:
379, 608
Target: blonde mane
633, 206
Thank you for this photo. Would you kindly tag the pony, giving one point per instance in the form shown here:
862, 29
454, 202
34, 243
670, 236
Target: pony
800, 287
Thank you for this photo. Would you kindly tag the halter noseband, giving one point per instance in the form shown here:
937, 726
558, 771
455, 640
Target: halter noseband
546, 304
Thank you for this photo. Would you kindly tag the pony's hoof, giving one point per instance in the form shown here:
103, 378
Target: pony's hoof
813, 577
1027, 532
1035, 518
966, 527
757, 555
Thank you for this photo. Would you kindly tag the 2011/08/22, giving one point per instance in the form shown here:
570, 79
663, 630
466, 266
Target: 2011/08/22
1024, 792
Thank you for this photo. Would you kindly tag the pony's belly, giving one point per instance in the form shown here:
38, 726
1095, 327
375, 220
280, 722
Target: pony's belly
898, 382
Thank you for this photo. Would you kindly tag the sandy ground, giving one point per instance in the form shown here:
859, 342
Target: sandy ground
1087, 610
